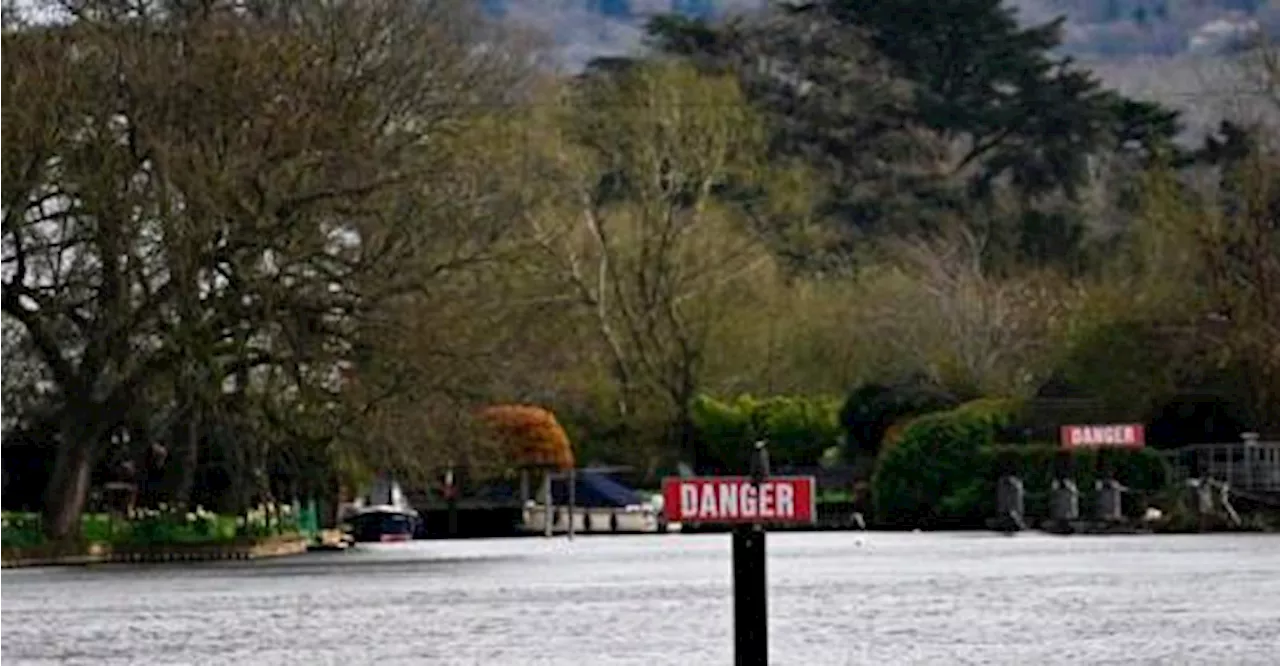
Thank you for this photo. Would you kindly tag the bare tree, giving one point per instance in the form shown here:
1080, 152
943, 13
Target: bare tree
218, 194
969, 330
636, 235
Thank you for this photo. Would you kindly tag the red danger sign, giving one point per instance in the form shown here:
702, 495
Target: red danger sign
734, 499
1129, 435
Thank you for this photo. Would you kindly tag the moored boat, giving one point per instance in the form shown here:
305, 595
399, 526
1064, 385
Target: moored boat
600, 504
382, 515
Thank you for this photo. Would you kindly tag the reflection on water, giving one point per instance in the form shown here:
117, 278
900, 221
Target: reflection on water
649, 600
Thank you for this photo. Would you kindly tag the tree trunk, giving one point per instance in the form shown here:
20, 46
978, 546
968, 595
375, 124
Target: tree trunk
186, 466
687, 441
69, 484
685, 431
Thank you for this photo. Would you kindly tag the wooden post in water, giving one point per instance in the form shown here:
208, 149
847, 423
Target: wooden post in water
451, 500
548, 503
573, 487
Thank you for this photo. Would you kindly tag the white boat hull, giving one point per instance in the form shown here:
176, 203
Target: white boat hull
593, 521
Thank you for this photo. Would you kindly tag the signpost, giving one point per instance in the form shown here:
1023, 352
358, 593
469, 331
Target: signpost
737, 500
747, 503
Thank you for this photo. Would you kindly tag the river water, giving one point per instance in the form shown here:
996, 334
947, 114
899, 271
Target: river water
835, 599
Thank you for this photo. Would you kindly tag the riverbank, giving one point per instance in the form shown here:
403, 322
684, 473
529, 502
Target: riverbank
81, 553
163, 535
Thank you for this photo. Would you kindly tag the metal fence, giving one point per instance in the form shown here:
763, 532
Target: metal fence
1250, 465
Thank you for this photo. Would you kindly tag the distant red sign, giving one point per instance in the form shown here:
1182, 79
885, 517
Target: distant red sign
1127, 435
736, 499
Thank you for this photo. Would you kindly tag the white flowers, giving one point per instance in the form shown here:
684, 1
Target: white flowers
268, 515
143, 514
256, 517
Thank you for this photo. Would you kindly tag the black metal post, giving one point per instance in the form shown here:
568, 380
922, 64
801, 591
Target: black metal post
750, 606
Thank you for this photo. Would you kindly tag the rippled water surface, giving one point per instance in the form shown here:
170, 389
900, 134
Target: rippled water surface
835, 598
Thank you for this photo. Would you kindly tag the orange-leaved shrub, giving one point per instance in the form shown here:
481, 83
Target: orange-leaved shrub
530, 435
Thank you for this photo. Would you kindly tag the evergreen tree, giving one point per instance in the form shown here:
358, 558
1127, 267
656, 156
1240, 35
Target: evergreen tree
832, 102
1027, 113
977, 76
922, 103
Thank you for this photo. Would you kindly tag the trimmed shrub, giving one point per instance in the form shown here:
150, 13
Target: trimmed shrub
934, 476
531, 436
799, 430
872, 410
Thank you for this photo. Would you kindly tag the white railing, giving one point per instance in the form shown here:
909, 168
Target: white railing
1249, 466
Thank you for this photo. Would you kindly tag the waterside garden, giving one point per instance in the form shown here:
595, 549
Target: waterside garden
164, 534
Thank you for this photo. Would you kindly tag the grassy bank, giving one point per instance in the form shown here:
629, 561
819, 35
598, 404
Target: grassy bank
147, 528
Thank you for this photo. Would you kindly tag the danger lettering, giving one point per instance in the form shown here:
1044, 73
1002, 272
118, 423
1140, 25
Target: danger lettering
737, 501
1103, 435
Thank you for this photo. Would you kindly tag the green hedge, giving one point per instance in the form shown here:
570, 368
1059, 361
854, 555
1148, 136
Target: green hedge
934, 477
799, 429
942, 473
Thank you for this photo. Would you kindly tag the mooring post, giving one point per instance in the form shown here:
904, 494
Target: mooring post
750, 605
573, 482
451, 500
549, 504
1011, 503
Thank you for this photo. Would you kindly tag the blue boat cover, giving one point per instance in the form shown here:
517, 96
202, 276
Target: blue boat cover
595, 490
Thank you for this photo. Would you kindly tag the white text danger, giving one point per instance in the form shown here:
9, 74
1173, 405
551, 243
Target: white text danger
737, 501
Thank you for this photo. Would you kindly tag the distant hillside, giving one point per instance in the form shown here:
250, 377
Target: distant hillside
1166, 50
586, 29
1106, 28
